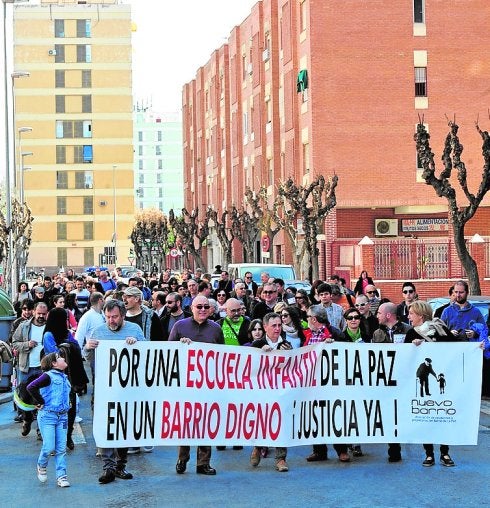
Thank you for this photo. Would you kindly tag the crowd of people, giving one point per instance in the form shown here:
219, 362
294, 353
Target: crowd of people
62, 319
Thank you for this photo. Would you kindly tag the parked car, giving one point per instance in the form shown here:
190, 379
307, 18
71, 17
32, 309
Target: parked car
481, 302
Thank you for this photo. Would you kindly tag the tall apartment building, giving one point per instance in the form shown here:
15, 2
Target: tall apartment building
309, 87
158, 164
78, 102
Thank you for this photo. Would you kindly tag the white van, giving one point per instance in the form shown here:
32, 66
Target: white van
284, 272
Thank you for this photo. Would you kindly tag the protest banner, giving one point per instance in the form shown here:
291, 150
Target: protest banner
165, 393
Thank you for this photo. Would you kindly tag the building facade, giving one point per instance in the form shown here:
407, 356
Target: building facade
309, 87
78, 102
158, 164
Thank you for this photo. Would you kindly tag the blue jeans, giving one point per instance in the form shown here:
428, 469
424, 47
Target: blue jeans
53, 428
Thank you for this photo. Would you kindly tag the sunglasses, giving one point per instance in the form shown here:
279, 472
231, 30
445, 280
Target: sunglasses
353, 318
221, 294
361, 305
370, 292
168, 302
248, 276
268, 292
407, 291
200, 307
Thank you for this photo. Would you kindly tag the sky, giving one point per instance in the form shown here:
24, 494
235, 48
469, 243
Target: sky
173, 39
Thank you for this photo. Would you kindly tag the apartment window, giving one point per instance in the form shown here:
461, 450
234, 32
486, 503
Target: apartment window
87, 79
61, 230
60, 53
142, 178
59, 78
306, 158
244, 67
88, 205
73, 129
419, 11
88, 155
88, 230
88, 256
61, 205
60, 104
140, 136
245, 124
62, 256
84, 53
160, 206
83, 153
84, 28
159, 135
303, 13
420, 81
141, 192
140, 150
86, 104
160, 164
158, 150
140, 164
60, 154
61, 180
159, 178
59, 27
160, 192
84, 180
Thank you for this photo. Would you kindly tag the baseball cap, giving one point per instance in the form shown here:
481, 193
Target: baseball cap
133, 291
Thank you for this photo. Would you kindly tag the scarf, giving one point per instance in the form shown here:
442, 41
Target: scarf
354, 337
431, 330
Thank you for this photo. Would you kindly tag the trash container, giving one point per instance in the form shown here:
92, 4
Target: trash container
7, 317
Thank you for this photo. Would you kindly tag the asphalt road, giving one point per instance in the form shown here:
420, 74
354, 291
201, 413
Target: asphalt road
366, 481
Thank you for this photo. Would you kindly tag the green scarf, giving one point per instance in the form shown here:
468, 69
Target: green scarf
354, 337
230, 331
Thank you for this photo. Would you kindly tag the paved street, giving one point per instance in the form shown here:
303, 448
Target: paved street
366, 481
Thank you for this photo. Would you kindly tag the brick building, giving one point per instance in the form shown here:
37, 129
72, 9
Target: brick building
319, 87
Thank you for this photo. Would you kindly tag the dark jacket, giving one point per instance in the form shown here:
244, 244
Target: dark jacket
165, 320
242, 336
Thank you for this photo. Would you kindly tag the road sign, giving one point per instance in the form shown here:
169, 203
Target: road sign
174, 253
266, 243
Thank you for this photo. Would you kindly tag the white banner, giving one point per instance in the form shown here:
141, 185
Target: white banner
169, 393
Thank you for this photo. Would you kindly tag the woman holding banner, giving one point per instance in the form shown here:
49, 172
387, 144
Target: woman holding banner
427, 329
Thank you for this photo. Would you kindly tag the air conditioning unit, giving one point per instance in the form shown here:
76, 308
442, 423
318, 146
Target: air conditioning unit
103, 203
386, 227
52, 52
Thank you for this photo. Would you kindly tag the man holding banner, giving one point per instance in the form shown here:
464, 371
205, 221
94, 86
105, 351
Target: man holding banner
197, 328
115, 328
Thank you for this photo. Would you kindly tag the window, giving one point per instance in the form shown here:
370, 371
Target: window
141, 192
60, 154
61, 230
303, 13
88, 230
159, 135
61, 205
78, 154
63, 257
84, 180
86, 104
244, 67
83, 28
88, 205
88, 155
141, 178
245, 124
84, 53
60, 53
88, 256
60, 104
159, 178
140, 164
418, 11
306, 158
140, 136
160, 206
140, 150
59, 78
59, 27
86, 79
73, 129
420, 81
160, 164
160, 192
61, 180
158, 150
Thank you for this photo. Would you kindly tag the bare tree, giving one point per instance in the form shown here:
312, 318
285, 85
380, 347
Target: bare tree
458, 215
245, 229
150, 237
312, 204
224, 232
262, 214
191, 232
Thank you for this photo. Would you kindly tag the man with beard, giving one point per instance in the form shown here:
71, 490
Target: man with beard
28, 343
174, 313
266, 305
114, 328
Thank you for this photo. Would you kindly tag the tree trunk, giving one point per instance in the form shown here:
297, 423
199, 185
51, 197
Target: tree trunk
467, 261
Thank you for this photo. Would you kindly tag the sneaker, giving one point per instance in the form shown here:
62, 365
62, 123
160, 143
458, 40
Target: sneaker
429, 461
282, 466
107, 476
447, 461
62, 481
134, 451
42, 474
147, 449
78, 419
255, 457
356, 451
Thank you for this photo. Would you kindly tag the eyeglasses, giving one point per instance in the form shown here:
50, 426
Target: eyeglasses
168, 302
361, 305
248, 276
221, 294
200, 307
407, 291
268, 292
371, 292
352, 318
